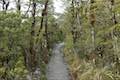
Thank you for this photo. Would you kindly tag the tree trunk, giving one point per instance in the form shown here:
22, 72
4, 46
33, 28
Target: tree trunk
18, 5
92, 22
73, 21
33, 58
44, 13
46, 32
5, 5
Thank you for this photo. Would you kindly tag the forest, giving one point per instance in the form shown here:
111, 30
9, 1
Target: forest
81, 42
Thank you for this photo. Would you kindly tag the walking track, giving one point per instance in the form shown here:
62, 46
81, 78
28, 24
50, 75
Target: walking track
57, 67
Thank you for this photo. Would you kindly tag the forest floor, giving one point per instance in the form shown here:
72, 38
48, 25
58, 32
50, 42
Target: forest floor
57, 68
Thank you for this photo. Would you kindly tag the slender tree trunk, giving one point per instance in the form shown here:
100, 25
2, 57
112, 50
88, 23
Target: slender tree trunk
73, 21
44, 12
46, 48
18, 5
25, 15
76, 23
46, 31
33, 59
32, 48
5, 5
92, 22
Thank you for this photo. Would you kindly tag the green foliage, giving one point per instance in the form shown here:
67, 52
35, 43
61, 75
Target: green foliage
93, 64
100, 63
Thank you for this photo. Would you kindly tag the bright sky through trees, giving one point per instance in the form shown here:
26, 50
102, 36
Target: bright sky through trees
58, 4
59, 7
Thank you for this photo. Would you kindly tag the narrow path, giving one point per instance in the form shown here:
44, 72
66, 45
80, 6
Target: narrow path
57, 68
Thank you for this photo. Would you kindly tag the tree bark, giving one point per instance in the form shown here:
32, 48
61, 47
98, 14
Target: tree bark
44, 12
18, 5
73, 21
5, 5
46, 32
92, 22
33, 58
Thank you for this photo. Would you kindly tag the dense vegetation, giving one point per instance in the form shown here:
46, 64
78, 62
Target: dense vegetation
92, 39
26, 40
90, 30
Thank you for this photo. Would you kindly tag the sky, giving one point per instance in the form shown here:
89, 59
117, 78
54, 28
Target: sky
58, 5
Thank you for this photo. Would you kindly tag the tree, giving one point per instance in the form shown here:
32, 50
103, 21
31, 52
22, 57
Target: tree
5, 5
18, 5
92, 22
33, 58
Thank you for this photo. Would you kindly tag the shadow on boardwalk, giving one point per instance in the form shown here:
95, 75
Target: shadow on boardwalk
57, 67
